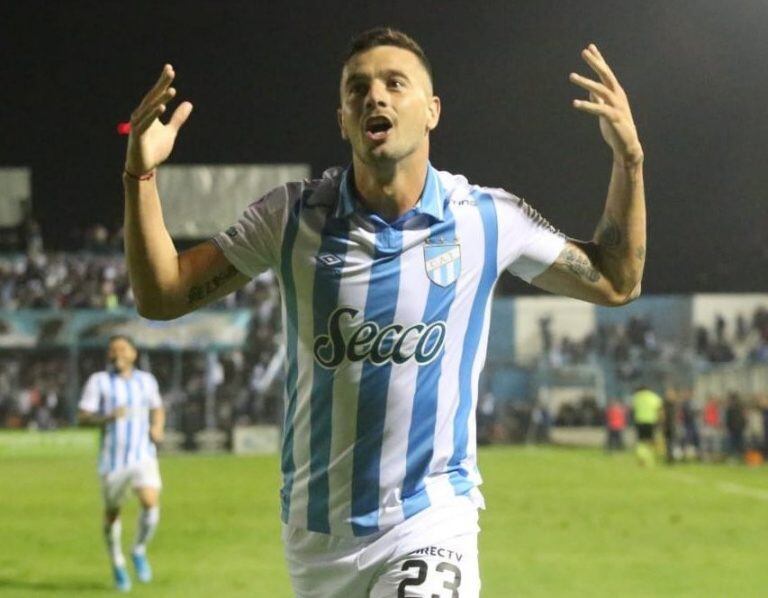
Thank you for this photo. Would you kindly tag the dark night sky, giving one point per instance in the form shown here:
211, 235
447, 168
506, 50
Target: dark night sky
263, 78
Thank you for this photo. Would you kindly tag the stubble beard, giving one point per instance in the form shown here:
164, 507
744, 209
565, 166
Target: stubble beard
383, 159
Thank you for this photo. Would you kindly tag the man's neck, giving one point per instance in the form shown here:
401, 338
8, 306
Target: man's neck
125, 372
390, 190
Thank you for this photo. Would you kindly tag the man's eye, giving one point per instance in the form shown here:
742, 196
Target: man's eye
396, 83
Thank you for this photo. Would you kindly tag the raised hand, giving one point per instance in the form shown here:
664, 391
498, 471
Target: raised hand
150, 142
608, 100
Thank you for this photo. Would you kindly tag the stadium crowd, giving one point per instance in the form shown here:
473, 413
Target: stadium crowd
745, 338
742, 338
635, 340
81, 281
93, 277
33, 389
629, 349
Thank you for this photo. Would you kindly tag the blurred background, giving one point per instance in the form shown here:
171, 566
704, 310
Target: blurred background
264, 81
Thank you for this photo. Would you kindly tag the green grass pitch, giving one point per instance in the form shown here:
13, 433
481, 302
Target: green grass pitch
559, 522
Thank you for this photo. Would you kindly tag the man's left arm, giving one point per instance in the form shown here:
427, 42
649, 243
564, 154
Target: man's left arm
608, 269
156, 413
157, 424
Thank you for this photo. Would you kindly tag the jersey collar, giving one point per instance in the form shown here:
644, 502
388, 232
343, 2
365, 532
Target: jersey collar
430, 203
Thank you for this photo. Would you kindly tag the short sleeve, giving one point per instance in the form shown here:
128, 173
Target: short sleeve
90, 399
153, 391
528, 243
252, 244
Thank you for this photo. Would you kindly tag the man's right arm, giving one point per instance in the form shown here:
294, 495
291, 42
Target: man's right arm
165, 284
92, 418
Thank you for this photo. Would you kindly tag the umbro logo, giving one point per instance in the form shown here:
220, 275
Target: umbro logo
330, 260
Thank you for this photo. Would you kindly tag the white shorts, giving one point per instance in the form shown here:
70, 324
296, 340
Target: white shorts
145, 474
434, 553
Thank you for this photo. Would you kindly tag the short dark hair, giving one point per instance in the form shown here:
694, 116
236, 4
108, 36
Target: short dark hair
387, 36
123, 337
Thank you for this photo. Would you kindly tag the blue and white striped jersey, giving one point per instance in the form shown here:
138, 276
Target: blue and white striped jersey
125, 441
386, 327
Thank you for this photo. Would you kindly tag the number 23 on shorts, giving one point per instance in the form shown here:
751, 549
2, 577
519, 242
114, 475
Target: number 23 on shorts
450, 575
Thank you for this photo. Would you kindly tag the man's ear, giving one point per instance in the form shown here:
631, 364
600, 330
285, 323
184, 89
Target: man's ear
433, 112
340, 120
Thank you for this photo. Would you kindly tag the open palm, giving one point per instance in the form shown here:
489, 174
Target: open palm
151, 142
609, 102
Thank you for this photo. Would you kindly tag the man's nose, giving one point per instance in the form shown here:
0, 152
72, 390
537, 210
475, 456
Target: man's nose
377, 96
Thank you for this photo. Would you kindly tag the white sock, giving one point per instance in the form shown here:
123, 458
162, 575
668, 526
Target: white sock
148, 519
112, 535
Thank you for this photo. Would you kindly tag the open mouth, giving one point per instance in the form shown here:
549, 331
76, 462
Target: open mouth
377, 127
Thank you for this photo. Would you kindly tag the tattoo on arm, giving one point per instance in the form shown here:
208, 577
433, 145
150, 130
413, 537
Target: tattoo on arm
200, 292
640, 253
580, 265
609, 234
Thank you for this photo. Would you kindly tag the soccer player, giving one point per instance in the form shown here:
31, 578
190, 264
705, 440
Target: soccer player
387, 269
125, 402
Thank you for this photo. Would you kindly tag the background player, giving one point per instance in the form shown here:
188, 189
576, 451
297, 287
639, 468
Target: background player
646, 413
386, 271
125, 402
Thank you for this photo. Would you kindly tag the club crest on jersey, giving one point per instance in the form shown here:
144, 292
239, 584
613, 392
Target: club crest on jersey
443, 262
348, 339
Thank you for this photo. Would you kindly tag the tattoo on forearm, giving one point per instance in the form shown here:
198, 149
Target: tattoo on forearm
200, 292
609, 235
580, 265
640, 253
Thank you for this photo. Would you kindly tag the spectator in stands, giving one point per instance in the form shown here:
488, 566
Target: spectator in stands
33, 237
735, 423
540, 423
742, 330
97, 239
97, 279
721, 352
615, 424
753, 430
702, 341
670, 418
486, 417
720, 327
545, 330
763, 402
712, 434
749, 339
689, 416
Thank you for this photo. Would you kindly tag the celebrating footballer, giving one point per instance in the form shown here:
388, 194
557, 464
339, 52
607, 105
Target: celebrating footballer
386, 269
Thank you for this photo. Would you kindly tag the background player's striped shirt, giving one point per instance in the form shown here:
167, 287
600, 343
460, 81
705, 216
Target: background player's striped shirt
126, 441
386, 327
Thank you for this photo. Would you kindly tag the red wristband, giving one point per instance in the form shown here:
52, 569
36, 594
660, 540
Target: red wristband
141, 177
